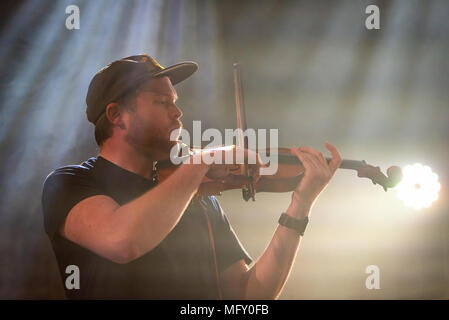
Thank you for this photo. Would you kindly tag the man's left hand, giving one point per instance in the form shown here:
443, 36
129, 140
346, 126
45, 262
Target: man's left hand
317, 174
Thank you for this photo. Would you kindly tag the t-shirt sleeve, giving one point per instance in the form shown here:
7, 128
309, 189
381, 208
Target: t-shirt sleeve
63, 189
228, 247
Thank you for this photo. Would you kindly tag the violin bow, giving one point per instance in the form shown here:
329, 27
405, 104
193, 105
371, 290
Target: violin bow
248, 190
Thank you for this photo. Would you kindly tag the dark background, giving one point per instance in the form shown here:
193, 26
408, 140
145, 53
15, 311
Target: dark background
310, 68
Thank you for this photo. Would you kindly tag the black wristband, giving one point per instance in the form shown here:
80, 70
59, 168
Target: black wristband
292, 223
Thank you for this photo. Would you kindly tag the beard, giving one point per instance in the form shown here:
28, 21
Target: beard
149, 140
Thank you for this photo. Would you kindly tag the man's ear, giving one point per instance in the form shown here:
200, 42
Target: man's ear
114, 113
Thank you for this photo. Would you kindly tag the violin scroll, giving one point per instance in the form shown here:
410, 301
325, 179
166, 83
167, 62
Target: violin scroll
393, 177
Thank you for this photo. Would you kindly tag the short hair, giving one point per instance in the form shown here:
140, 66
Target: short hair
103, 127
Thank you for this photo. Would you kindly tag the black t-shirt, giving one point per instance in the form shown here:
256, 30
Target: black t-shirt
180, 267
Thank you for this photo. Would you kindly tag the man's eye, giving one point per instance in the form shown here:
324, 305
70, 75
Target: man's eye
163, 102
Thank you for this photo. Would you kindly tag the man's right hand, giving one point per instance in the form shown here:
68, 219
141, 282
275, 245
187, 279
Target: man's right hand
231, 159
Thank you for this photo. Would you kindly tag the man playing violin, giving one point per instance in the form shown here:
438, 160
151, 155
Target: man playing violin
134, 237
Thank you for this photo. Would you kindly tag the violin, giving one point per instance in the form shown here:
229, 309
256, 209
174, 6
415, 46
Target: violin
290, 169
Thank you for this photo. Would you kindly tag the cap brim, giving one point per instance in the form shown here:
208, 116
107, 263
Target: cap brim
178, 72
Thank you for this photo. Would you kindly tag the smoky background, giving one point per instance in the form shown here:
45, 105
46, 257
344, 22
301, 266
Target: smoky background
310, 69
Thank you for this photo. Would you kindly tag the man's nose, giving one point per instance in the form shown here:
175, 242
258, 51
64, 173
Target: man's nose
177, 113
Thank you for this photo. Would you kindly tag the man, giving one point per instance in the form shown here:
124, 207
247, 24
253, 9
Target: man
132, 237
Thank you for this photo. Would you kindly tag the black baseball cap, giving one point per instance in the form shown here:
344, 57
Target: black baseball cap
119, 77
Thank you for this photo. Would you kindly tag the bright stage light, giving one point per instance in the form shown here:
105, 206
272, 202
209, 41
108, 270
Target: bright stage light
419, 186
